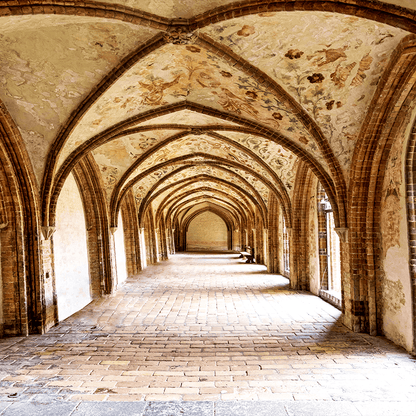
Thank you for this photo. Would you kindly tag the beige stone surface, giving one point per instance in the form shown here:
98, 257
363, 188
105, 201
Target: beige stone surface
207, 327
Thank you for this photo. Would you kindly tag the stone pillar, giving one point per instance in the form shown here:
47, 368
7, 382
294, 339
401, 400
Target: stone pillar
113, 259
156, 244
236, 240
265, 247
172, 242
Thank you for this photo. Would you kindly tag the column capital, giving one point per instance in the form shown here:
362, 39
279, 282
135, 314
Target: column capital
47, 232
342, 233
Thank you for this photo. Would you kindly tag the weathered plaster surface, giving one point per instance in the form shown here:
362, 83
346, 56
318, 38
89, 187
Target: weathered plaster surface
48, 64
410, 4
189, 208
201, 170
395, 285
140, 188
278, 158
207, 231
174, 73
212, 185
313, 243
205, 196
172, 8
194, 144
280, 239
188, 117
255, 182
115, 157
70, 250
120, 250
188, 8
330, 63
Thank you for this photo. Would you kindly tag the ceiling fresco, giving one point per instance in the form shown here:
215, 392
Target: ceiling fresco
186, 9
193, 171
262, 189
175, 73
328, 62
188, 117
199, 144
142, 187
279, 159
49, 64
261, 91
200, 201
186, 211
196, 193
172, 9
116, 156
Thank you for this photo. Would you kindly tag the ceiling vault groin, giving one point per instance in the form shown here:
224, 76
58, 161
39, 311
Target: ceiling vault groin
170, 197
268, 109
376, 10
193, 180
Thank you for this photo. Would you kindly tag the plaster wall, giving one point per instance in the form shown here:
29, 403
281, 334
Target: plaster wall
207, 231
313, 244
70, 252
1, 298
394, 287
48, 282
280, 246
121, 262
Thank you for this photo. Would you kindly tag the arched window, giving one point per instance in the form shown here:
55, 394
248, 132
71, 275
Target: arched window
329, 251
286, 258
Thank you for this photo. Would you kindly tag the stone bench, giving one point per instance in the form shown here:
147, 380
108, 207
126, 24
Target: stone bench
248, 254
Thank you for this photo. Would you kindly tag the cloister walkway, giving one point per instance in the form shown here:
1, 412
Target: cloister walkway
204, 333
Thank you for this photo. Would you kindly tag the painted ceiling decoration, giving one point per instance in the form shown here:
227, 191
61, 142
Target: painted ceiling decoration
207, 194
215, 184
188, 176
188, 103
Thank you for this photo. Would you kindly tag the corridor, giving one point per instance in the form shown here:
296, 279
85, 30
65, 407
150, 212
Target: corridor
206, 328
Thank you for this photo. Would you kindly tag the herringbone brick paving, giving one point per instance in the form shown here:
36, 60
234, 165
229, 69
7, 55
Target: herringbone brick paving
206, 327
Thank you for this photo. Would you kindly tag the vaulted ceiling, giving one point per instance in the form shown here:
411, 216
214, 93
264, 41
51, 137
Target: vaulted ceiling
191, 102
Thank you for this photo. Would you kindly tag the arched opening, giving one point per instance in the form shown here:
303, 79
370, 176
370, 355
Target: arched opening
329, 251
286, 249
395, 200
72, 279
120, 249
411, 223
207, 231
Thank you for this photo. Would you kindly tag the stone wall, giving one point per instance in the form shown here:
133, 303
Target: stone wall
207, 232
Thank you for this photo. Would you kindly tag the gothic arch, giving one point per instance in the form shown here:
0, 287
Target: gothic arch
410, 176
23, 277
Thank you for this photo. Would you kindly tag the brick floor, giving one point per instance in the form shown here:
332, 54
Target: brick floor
207, 327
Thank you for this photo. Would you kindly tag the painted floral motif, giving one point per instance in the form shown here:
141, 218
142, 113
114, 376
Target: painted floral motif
48, 66
204, 170
282, 161
155, 91
350, 55
197, 76
187, 117
391, 208
198, 144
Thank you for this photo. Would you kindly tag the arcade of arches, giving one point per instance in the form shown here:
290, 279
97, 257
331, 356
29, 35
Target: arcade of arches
128, 134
